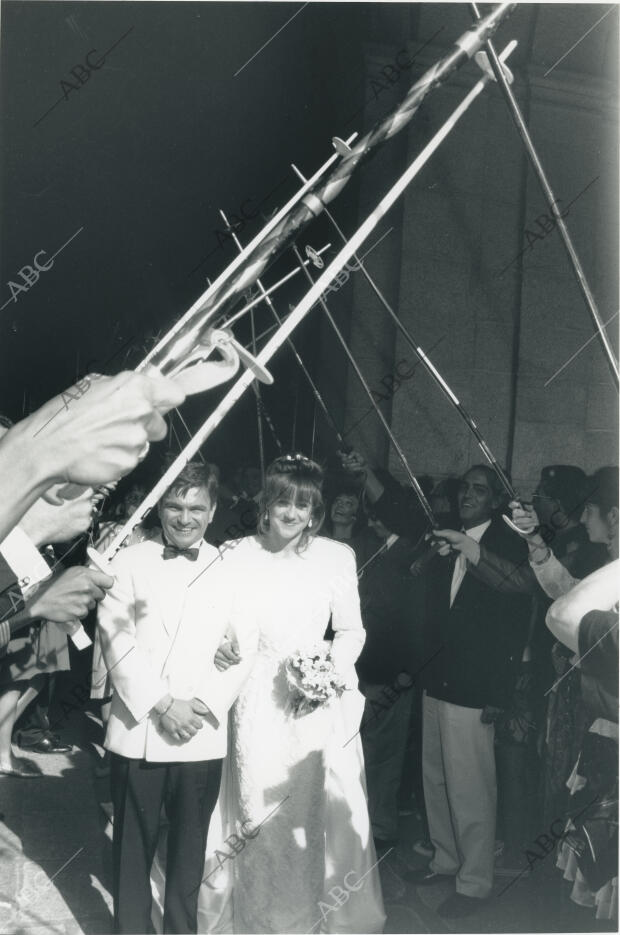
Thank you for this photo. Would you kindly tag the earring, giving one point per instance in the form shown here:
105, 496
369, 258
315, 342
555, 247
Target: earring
309, 524
266, 519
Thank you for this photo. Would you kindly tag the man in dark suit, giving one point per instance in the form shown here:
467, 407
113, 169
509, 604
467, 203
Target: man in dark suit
474, 638
391, 614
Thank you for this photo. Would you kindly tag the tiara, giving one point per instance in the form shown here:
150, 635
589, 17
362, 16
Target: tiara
294, 459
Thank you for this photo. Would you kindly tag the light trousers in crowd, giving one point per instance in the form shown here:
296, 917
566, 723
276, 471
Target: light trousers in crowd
458, 763
384, 732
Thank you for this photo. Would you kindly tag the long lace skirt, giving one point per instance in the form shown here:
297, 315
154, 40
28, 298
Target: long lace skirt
290, 847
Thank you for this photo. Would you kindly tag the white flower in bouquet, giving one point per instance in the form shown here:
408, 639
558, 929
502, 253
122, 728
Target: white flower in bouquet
312, 678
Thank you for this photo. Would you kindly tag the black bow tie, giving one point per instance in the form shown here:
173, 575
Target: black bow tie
171, 551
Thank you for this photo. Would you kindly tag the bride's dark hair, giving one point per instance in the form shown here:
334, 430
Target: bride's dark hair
296, 477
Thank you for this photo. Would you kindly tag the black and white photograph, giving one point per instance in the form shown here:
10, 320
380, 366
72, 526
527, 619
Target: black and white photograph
309, 561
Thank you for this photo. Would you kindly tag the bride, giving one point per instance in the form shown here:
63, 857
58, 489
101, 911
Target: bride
293, 850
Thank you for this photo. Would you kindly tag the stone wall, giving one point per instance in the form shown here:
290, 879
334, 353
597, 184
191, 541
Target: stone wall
497, 309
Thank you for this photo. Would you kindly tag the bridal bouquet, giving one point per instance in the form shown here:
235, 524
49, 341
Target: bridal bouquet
313, 679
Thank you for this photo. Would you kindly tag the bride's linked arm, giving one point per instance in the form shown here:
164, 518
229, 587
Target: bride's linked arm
346, 617
221, 686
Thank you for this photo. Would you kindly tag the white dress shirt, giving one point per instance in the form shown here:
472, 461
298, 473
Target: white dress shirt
476, 532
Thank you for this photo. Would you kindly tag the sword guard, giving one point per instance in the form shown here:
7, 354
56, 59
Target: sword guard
227, 339
482, 60
340, 146
524, 535
314, 258
196, 372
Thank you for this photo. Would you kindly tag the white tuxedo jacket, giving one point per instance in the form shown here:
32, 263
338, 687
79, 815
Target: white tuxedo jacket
160, 626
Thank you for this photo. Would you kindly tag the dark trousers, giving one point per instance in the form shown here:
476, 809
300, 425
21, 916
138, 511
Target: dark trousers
189, 792
517, 799
411, 781
384, 738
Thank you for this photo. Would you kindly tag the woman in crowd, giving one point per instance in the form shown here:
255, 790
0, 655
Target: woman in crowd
600, 518
343, 515
346, 522
596, 768
586, 620
559, 502
293, 782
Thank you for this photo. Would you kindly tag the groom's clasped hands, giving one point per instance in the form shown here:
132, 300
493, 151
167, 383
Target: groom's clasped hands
183, 718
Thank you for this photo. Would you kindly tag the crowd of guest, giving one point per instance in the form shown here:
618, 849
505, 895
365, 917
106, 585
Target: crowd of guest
509, 735
490, 667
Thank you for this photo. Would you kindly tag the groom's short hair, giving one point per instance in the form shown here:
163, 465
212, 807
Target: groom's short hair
195, 474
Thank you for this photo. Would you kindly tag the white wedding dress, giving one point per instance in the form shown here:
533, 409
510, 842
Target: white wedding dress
300, 855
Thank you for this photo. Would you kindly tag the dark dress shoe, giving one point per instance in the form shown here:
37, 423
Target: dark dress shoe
425, 877
49, 744
458, 906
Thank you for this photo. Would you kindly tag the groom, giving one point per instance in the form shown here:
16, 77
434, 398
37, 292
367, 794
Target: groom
160, 625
